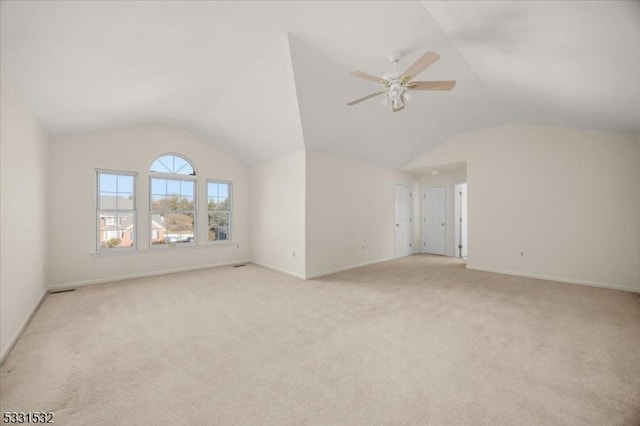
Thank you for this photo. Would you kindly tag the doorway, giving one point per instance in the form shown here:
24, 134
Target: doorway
461, 220
435, 220
403, 220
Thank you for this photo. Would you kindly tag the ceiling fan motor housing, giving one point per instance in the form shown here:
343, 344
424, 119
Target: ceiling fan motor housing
396, 89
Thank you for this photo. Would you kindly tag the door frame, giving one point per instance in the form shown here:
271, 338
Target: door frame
395, 228
458, 220
424, 217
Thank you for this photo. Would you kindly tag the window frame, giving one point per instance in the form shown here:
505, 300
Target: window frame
115, 212
230, 203
176, 177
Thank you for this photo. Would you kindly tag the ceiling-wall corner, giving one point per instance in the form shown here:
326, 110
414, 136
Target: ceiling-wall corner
295, 88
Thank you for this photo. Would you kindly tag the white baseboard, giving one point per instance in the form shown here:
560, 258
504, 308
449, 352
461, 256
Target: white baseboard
5, 351
319, 274
346, 268
282, 271
551, 278
65, 286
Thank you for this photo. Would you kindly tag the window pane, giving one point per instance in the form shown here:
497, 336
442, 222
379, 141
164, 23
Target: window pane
125, 201
186, 203
172, 164
107, 200
158, 186
212, 189
218, 196
219, 226
218, 204
180, 228
158, 202
173, 187
223, 233
168, 198
179, 222
116, 210
179, 194
116, 230
158, 229
179, 165
187, 188
125, 184
160, 166
172, 203
172, 228
108, 182
223, 204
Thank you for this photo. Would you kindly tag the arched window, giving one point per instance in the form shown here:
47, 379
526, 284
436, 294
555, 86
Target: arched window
172, 164
172, 201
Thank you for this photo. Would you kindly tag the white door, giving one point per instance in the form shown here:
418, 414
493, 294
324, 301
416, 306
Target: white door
461, 219
435, 224
404, 207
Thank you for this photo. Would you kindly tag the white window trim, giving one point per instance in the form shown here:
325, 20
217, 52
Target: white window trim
230, 183
176, 154
134, 211
173, 176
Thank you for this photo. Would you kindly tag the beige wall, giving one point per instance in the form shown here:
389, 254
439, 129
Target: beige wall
72, 185
349, 205
277, 213
23, 233
563, 197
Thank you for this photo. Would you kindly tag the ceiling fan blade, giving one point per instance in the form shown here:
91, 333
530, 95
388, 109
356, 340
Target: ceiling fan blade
369, 77
357, 101
420, 65
431, 85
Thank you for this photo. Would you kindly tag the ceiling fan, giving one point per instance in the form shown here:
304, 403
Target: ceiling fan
396, 84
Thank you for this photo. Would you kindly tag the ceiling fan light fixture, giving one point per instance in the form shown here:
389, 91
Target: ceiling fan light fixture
397, 85
395, 91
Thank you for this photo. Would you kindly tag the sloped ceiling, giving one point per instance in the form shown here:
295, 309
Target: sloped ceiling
261, 79
565, 63
369, 131
257, 116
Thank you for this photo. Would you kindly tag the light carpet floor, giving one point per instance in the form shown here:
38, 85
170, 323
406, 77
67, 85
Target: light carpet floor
413, 341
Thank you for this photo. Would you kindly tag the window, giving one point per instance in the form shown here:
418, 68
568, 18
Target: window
219, 209
172, 201
172, 164
116, 212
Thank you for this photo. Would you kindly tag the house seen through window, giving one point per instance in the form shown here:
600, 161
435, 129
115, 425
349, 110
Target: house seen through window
116, 213
219, 209
172, 201
173, 189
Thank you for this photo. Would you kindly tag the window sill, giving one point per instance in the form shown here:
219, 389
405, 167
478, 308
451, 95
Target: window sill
120, 252
116, 252
220, 243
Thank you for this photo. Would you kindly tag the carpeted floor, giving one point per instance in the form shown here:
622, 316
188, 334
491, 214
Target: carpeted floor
413, 341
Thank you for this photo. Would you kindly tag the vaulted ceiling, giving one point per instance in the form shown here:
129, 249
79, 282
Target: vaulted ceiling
260, 79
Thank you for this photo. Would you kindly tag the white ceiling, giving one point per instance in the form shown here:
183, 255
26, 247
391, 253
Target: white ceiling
261, 79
